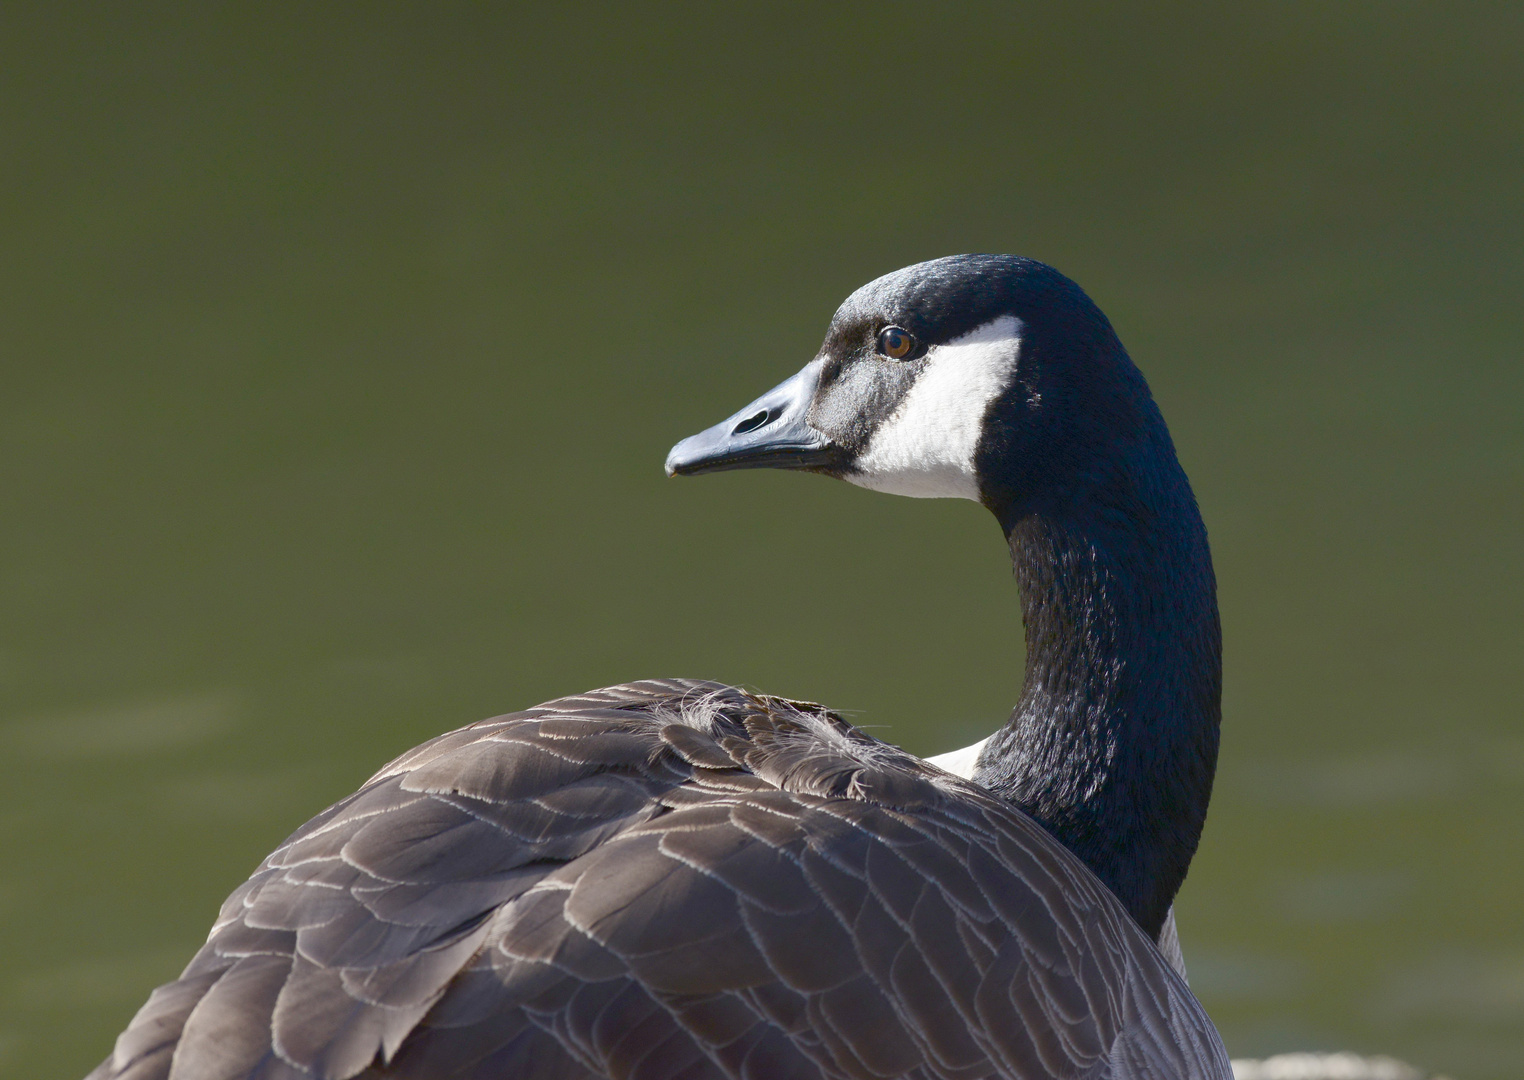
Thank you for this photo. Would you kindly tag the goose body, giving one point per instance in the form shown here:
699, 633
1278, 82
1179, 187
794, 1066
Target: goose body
685, 880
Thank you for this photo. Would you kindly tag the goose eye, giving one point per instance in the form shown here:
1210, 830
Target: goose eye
896, 343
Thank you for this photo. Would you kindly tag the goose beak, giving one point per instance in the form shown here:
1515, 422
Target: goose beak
772, 432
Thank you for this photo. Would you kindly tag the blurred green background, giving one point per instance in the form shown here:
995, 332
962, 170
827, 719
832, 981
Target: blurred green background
341, 346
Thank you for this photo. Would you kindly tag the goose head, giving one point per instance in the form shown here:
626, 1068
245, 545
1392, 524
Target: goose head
984, 377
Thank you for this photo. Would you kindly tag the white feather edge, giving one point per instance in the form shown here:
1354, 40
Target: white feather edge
959, 762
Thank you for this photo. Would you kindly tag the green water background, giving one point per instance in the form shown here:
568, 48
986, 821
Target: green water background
340, 347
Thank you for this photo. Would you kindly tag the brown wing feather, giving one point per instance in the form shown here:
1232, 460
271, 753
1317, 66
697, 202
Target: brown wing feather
672, 880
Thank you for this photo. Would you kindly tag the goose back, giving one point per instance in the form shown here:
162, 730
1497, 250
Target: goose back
679, 880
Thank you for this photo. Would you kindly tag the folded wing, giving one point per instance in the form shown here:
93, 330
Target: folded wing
675, 880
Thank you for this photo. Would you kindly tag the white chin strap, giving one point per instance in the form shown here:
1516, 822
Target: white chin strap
925, 448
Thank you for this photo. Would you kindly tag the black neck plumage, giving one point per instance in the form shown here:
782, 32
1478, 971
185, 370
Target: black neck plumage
1113, 744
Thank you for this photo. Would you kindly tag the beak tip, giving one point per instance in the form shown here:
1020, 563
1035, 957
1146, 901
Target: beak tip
676, 459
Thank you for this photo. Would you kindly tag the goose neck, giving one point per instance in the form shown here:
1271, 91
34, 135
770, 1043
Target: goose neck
1113, 744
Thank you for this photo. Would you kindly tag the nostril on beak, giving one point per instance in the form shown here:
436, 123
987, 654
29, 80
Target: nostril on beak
753, 422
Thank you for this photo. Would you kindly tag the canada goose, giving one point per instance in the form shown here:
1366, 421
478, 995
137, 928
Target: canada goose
680, 880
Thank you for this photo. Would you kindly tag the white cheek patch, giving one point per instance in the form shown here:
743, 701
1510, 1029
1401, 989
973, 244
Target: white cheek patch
925, 449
